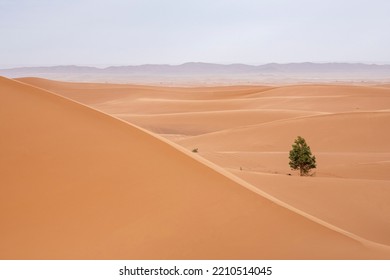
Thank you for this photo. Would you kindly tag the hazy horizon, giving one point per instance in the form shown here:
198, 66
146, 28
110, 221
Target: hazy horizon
99, 66
118, 32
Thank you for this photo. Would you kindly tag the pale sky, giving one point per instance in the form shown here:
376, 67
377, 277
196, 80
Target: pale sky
133, 32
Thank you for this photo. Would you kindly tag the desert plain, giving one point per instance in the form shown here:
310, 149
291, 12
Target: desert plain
106, 171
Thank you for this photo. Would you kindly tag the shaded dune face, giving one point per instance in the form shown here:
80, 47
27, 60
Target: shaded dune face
79, 184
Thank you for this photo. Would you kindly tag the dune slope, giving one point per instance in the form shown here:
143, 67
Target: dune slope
78, 184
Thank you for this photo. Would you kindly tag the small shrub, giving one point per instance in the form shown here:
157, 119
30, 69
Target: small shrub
301, 157
195, 150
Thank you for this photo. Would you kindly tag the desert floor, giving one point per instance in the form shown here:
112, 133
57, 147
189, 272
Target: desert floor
105, 171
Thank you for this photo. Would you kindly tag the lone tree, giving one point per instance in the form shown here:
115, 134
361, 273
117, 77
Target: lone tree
301, 157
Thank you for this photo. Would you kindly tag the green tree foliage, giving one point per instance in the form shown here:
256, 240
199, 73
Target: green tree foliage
301, 157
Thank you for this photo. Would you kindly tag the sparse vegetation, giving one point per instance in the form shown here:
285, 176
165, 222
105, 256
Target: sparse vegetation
195, 150
301, 157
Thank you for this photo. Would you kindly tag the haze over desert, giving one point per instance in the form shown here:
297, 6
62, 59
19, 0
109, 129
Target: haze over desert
106, 171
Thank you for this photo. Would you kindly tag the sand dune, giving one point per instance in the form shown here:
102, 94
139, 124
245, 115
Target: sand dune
356, 205
196, 123
343, 132
81, 184
371, 166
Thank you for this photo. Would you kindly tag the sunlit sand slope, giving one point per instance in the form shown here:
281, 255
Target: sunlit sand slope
80, 184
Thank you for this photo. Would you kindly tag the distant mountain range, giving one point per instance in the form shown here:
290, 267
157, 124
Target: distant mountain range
197, 71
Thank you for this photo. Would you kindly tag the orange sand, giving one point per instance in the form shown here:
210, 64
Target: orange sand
80, 184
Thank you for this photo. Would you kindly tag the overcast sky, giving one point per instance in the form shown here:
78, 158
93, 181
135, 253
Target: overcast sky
133, 32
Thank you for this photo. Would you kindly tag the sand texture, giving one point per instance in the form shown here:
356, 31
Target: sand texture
105, 171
